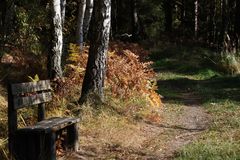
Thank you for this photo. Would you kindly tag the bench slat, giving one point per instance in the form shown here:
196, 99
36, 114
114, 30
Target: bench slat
20, 102
50, 125
28, 87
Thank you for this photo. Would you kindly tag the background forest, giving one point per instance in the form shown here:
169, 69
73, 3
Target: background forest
170, 89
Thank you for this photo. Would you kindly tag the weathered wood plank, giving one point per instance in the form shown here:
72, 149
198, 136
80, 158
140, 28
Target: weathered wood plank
20, 102
41, 112
51, 125
21, 88
72, 137
50, 147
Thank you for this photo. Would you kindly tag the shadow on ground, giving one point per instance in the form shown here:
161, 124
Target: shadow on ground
206, 90
190, 76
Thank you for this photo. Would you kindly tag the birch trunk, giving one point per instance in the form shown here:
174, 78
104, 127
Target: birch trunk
79, 32
55, 69
93, 82
196, 19
87, 17
63, 11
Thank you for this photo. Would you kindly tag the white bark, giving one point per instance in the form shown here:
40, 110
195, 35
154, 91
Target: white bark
87, 17
79, 32
63, 10
196, 18
56, 70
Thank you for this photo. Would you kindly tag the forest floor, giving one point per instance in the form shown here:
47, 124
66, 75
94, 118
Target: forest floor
199, 120
180, 125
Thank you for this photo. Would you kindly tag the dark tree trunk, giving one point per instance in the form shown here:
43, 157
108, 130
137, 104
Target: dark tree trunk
87, 17
183, 12
7, 19
93, 82
212, 22
114, 20
135, 21
221, 44
2, 17
80, 19
168, 10
237, 24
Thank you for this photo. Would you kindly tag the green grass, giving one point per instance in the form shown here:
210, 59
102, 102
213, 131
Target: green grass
222, 140
212, 148
192, 70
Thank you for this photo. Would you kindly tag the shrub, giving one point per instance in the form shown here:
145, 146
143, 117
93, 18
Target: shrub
230, 63
126, 75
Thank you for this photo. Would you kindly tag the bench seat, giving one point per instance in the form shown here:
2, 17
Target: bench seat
50, 125
39, 141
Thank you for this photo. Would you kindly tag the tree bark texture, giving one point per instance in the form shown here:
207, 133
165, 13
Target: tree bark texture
93, 82
212, 22
63, 11
55, 59
87, 17
79, 32
135, 21
196, 19
237, 23
224, 26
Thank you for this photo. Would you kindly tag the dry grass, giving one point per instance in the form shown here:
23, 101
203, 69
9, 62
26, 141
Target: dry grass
115, 123
3, 123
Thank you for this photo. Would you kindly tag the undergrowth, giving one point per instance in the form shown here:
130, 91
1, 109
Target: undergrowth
130, 96
207, 75
126, 76
222, 140
230, 62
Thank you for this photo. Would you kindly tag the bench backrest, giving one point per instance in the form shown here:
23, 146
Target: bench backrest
25, 95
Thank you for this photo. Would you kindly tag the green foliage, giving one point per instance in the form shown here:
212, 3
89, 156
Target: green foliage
211, 149
222, 141
230, 62
152, 17
30, 23
219, 95
35, 79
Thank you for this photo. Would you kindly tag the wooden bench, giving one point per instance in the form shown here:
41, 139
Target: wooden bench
37, 142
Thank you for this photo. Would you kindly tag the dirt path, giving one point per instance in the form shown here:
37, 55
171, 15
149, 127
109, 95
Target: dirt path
189, 125
181, 124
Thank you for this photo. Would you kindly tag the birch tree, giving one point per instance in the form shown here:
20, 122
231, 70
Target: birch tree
93, 82
196, 18
63, 11
87, 17
80, 19
55, 58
